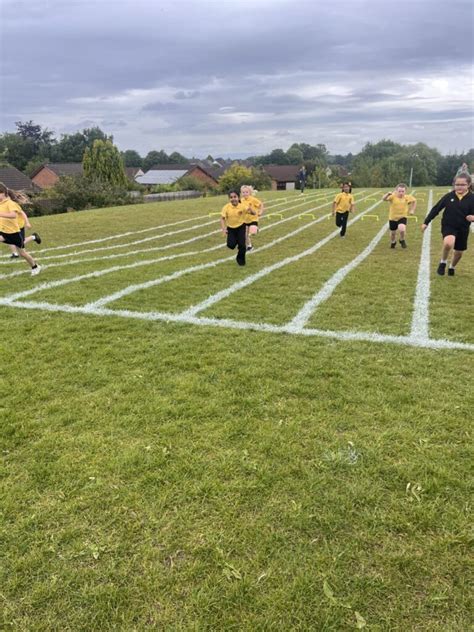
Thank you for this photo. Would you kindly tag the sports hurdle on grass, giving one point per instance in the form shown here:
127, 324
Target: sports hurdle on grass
274, 215
303, 215
376, 217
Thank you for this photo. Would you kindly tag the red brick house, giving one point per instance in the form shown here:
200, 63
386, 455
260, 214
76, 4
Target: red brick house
47, 175
15, 179
283, 176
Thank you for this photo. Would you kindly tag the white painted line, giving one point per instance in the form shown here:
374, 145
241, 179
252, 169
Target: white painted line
421, 308
239, 285
305, 313
350, 336
153, 249
179, 273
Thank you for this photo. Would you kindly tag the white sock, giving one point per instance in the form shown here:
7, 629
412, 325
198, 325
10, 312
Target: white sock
444, 261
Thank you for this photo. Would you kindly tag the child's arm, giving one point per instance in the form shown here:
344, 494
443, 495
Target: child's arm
386, 196
352, 207
437, 208
412, 207
25, 217
261, 209
223, 226
334, 208
6, 215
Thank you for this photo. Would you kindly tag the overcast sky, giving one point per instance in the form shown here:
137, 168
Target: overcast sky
241, 77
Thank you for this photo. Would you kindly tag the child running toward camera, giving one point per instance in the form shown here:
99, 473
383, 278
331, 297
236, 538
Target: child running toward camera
254, 213
343, 205
401, 205
458, 206
23, 222
9, 227
233, 225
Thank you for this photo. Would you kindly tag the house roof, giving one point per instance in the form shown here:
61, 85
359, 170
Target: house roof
15, 179
131, 172
62, 168
282, 173
172, 167
157, 176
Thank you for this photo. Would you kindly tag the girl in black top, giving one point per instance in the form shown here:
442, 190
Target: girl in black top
458, 213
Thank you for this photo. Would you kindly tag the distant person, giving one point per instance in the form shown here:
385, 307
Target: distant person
458, 206
302, 178
233, 225
463, 169
401, 205
10, 232
255, 212
343, 204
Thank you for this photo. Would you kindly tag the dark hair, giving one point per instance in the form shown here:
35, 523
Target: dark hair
348, 184
237, 193
16, 196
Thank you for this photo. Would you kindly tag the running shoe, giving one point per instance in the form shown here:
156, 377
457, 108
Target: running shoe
441, 269
36, 270
37, 238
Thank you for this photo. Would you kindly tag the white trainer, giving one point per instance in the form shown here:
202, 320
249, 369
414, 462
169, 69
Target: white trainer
35, 271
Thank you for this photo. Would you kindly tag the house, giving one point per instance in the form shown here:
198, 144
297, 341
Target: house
48, 174
16, 180
284, 177
169, 174
133, 172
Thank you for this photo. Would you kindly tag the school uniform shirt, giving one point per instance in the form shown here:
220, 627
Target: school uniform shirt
253, 203
9, 225
455, 207
234, 215
399, 206
343, 202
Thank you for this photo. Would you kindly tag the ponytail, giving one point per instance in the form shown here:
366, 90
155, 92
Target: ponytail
17, 196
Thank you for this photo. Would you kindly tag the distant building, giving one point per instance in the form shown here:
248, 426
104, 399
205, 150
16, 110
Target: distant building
13, 178
169, 174
284, 177
48, 174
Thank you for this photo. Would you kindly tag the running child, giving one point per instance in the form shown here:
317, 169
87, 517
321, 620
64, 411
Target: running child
254, 213
9, 228
233, 225
343, 204
23, 222
458, 206
401, 205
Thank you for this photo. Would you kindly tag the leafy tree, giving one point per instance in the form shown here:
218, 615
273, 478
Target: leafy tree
155, 158
132, 158
102, 163
294, 155
238, 175
80, 192
29, 142
177, 159
71, 147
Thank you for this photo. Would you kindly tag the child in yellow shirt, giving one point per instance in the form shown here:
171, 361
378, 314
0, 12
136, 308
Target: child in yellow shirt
401, 205
343, 205
255, 212
233, 225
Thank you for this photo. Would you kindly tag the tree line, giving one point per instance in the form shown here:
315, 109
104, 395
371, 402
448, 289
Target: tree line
380, 164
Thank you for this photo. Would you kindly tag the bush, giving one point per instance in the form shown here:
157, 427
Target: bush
238, 175
79, 192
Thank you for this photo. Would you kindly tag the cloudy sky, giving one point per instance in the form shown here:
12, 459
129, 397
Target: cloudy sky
241, 77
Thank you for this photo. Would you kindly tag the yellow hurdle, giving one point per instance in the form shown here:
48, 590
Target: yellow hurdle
413, 217
274, 215
211, 214
306, 215
365, 216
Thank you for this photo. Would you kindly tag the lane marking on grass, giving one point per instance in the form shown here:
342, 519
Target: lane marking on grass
154, 249
115, 296
345, 336
239, 285
421, 306
305, 313
99, 273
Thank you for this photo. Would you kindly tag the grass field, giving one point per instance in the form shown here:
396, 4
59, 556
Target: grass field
191, 445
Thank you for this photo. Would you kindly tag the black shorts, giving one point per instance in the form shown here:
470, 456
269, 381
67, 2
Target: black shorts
251, 223
14, 239
393, 223
22, 233
461, 235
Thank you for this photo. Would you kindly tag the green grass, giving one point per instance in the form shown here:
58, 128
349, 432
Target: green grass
169, 476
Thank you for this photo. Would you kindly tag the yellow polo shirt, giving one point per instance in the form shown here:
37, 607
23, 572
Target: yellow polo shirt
9, 225
255, 204
343, 202
234, 215
399, 206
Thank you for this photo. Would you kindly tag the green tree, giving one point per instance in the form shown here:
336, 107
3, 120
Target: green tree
238, 175
30, 142
155, 158
71, 147
177, 159
102, 163
132, 158
294, 155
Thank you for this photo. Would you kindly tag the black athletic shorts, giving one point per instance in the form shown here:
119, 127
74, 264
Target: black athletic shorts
251, 223
14, 239
22, 232
393, 223
461, 235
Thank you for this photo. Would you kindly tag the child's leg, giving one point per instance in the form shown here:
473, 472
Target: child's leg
231, 238
22, 252
448, 245
241, 238
457, 254
14, 252
344, 217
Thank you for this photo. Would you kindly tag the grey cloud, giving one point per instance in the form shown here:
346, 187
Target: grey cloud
191, 94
